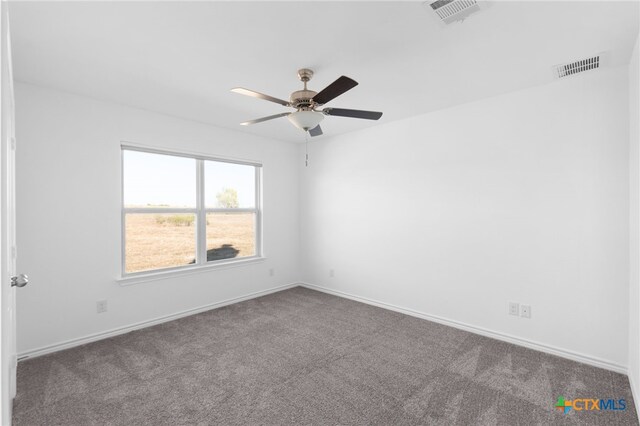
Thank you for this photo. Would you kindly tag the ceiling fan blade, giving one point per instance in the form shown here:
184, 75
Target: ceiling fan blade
259, 95
260, 120
316, 131
334, 90
353, 113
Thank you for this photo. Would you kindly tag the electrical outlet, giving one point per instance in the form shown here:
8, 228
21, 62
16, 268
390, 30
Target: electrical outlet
525, 311
332, 273
514, 308
101, 306
272, 272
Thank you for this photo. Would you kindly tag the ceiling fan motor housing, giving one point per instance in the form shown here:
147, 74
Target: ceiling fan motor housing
301, 99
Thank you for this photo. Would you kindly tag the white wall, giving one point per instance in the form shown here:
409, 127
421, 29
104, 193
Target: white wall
522, 197
68, 187
634, 225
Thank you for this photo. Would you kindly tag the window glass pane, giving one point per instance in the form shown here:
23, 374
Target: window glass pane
156, 180
230, 235
155, 241
228, 185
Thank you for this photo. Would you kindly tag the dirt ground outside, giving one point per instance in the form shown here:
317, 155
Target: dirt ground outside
155, 241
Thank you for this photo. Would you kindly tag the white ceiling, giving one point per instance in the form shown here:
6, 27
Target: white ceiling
182, 58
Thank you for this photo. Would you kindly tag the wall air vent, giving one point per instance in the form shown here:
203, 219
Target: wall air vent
575, 67
450, 11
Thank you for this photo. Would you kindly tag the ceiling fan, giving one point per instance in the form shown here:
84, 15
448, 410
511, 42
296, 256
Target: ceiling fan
307, 116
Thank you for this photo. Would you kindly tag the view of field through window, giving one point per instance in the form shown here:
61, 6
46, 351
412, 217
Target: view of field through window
155, 241
158, 240
230, 235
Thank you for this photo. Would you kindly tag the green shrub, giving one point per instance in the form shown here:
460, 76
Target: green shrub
176, 220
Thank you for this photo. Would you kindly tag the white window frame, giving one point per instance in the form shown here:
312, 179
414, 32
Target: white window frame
200, 212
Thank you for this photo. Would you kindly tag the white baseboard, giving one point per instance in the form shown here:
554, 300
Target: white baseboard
126, 329
574, 356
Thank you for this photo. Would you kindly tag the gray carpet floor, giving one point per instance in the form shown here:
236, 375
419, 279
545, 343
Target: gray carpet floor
302, 357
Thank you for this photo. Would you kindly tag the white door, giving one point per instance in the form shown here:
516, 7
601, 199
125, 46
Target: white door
9, 277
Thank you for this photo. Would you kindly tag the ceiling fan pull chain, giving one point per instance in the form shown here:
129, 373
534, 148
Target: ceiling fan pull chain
306, 148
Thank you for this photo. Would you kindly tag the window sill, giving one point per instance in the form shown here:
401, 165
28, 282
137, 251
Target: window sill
187, 270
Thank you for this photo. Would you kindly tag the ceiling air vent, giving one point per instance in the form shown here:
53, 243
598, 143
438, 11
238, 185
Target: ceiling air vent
575, 67
450, 11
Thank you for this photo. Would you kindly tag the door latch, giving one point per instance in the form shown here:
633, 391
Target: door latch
19, 281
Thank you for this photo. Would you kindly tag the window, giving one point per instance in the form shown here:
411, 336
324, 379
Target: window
182, 211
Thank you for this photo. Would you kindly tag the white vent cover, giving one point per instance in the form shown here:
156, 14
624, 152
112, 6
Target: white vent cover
450, 11
575, 67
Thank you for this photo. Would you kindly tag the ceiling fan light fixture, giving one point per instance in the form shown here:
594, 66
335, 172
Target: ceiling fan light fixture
306, 120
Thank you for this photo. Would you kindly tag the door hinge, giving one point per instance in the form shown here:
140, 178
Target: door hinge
13, 144
13, 252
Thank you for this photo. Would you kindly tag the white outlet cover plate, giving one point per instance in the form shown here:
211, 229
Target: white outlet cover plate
514, 308
101, 306
525, 311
